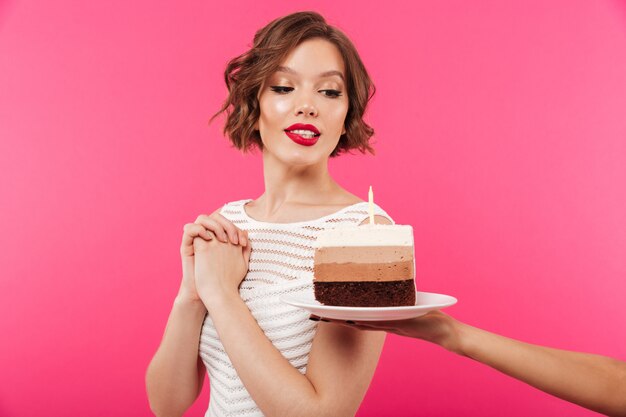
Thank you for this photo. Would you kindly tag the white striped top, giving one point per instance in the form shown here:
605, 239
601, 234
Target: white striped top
281, 262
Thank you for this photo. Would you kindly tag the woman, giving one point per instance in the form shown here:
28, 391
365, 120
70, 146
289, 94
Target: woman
592, 381
299, 95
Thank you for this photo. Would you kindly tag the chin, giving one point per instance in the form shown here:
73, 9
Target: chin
302, 161
302, 158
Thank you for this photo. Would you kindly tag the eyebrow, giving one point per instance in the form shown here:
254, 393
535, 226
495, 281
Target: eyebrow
322, 75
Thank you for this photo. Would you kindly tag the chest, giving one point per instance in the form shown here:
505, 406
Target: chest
292, 213
280, 257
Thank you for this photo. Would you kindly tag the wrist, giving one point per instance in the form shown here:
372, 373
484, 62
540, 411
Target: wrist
215, 296
463, 336
187, 301
453, 335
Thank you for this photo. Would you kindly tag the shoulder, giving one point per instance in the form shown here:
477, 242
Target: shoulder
232, 204
380, 215
359, 214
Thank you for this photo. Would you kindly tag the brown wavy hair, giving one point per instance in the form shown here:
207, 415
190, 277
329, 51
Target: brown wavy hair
245, 75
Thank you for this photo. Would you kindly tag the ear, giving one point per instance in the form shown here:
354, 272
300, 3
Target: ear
343, 132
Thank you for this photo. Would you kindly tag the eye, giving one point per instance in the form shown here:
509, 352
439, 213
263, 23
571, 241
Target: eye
331, 93
281, 90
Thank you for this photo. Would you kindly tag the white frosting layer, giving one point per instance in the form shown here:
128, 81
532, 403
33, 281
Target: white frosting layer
366, 235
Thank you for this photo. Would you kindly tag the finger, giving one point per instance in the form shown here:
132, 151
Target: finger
230, 228
227, 226
242, 237
372, 325
363, 325
357, 325
390, 325
346, 323
313, 317
192, 230
247, 251
214, 226
366, 328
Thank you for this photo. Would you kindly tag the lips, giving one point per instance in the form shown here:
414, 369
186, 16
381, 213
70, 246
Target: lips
300, 126
302, 140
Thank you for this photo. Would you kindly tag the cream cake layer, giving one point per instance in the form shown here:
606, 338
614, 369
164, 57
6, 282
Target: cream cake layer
366, 235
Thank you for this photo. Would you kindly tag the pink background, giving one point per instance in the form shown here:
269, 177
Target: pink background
501, 137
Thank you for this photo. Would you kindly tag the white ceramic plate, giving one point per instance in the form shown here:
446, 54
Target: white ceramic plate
425, 302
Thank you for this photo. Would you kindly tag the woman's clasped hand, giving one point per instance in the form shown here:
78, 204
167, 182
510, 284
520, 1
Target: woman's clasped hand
215, 255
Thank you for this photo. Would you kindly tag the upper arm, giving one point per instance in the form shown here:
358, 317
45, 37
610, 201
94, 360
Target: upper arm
341, 366
201, 374
342, 362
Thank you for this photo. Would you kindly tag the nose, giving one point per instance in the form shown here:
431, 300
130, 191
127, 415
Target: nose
306, 107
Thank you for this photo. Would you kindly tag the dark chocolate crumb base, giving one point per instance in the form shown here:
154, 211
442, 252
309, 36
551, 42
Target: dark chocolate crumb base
366, 294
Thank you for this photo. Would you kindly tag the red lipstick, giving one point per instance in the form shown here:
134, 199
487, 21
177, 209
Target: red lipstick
300, 139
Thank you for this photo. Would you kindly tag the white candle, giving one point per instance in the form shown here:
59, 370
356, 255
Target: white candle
371, 205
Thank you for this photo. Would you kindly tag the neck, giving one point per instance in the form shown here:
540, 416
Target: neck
294, 184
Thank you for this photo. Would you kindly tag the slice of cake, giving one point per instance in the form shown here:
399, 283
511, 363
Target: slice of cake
365, 266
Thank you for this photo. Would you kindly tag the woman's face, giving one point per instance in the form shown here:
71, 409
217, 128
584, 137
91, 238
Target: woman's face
308, 89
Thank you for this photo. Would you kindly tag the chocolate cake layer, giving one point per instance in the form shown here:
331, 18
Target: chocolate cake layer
366, 294
356, 271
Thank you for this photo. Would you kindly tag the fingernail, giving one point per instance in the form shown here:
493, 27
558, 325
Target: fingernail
350, 322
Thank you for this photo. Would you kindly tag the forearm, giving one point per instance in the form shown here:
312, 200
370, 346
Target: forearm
276, 386
592, 381
172, 378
